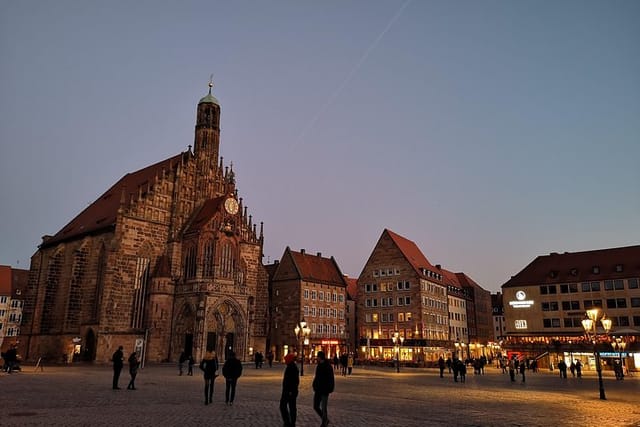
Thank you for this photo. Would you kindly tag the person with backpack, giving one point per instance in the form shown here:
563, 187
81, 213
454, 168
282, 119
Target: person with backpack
231, 370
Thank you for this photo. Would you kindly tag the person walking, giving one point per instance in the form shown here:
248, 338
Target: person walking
232, 370
290, 383
181, 360
349, 364
523, 368
441, 365
209, 365
133, 370
562, 367
579, 368
118, 362
512, 369
190, 365
323, 386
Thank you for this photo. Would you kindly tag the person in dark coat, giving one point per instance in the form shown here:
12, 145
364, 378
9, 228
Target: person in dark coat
232, 370
209, 365
323, 385
441, 366
118, 362
290, 383
523, 368
133, 370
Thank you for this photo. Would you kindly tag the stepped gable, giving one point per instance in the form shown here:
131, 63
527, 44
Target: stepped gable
314, 268
202, 216
412, 253
579, 266
102, 213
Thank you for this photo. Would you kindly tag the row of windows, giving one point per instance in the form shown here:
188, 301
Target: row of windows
387, 301
458, 316
433, 303
608, 285
387, 271
388, 317
3, 299
321, 296
588, 304
432, 288
323, 312
576, 322
388, 287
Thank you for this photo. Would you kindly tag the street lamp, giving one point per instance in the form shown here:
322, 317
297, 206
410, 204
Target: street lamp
302, 332
590, 325
620, 345
397, 339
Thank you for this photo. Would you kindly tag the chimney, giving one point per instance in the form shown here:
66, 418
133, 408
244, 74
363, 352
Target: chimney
319, 254
276, 262
302, 251
439, 267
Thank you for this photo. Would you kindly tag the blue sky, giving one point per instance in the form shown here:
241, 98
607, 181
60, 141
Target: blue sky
488, 132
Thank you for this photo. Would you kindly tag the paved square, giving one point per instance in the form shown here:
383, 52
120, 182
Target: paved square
81, 395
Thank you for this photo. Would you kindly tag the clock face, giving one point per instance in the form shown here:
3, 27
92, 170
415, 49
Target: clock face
231, 206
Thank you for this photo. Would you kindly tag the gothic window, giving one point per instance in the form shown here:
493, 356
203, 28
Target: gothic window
227, 260
97, 298
75, 291
51, 292
140, 281
208, 259
190, 263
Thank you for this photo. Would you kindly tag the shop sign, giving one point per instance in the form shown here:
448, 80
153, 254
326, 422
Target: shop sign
521, 324
521, 301
330, 342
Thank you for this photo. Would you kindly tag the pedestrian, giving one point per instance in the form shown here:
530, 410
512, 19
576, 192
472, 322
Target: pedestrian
455, 366
11, 359
579, 368
270, 358
191, 362
449, 364
343, 363
572, 368
290, 383
118, 361
133, 370
336, 362
512, 369
562, 367
441, 365
209, 365
323, 385
462, 370
258, 359
232, 370
523, 368
349, 364
181, 360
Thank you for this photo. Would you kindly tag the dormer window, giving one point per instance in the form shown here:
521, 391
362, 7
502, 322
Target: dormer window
595, 269
574, 271
619, 268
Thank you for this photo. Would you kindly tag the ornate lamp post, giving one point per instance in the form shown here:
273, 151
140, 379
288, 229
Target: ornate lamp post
620, 345
590, 325
397, 339
302, 333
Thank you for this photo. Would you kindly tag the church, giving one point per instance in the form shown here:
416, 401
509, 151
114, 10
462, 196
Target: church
166, 262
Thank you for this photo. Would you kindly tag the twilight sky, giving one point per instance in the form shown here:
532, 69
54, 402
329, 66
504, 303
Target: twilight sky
488, 132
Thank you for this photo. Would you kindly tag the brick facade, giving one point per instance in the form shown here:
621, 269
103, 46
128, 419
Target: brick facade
168, 254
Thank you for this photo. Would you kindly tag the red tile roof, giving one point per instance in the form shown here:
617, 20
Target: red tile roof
101, 214
204, 214
412, 253
352, 287
315, 268
5, 280
579, 266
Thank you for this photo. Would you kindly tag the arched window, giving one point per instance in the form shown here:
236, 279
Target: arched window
208, 259
190, 263
227, 260
75, 288
141, 279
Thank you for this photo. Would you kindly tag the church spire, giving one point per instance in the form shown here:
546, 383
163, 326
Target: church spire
206, 146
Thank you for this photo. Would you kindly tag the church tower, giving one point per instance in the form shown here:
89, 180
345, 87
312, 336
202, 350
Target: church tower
207, 144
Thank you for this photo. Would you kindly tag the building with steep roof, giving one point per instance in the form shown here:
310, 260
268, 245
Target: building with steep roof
310, 288
426, 308
545, 303
13, 282
166, 261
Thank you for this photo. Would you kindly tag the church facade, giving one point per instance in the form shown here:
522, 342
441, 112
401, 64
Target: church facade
167, 261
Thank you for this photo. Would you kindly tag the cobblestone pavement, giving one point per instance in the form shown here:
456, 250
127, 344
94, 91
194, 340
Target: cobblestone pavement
81, 395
